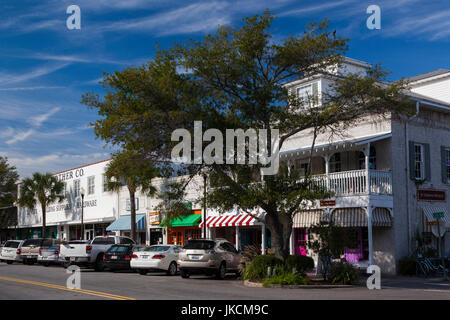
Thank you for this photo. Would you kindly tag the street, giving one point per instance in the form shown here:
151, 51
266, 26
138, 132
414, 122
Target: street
36, 282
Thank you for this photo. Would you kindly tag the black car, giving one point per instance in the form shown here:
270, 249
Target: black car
118, 257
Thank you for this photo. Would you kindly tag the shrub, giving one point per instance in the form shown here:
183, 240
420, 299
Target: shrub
248, 254
286, 278
257, 269
299, 263
407, 266
343, 273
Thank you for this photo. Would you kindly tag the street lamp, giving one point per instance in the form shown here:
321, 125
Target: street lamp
82, 193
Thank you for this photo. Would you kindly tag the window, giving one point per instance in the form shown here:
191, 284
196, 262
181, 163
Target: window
91, 185
335, 162
372, 159
447, 164
76, 188
302, 166
126, 241
105, 183
128, 205
419, 172
308, 94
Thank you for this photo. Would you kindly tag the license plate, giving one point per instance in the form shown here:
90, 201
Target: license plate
144, 257
72, 258
30, 257
113, 257
195, 257
43, 258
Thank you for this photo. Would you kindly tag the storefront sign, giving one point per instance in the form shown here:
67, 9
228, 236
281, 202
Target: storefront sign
434, 223
153, 218
327, 203
431, 195
70, 174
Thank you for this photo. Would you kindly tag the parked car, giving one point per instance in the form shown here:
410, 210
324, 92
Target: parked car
49, 255
206, 256
30, 249
91, 254
11, 251
64, 248
157, 257
118, 257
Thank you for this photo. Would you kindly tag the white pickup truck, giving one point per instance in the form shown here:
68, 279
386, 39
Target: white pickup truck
91, 254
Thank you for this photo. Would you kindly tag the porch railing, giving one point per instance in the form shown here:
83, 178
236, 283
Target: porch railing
355, 182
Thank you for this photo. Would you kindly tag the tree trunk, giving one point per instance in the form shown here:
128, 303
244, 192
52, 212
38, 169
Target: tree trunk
133, 214
43, 220
280, 227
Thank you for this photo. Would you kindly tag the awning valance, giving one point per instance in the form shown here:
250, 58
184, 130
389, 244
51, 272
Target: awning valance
231, 220
308, 218
124, 223
429, 210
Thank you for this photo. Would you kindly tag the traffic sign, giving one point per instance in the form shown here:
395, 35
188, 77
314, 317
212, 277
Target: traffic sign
438, 215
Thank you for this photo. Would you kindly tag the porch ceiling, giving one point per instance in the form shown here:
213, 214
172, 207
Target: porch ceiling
326, 148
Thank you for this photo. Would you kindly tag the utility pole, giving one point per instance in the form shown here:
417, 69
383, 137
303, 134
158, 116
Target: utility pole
204, 205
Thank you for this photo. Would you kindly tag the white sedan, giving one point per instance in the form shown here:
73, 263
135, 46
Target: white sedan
157, 257
11, 251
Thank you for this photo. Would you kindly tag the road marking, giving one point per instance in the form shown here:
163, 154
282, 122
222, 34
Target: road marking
58, 287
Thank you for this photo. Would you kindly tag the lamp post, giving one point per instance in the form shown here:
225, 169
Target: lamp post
82, 193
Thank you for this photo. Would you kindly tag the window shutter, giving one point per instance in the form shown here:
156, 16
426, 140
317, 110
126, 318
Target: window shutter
443, 165
315, 92
427, 161
411, 160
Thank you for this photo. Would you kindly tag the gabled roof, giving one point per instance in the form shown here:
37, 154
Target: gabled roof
430, 74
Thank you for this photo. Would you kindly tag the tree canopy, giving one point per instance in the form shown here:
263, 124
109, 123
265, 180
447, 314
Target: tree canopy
8, 183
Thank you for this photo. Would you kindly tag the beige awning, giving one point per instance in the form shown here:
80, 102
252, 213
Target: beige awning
357, 217
308, 218
429, 210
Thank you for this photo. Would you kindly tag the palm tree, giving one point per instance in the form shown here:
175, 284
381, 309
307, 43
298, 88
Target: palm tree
44, 188
129, 169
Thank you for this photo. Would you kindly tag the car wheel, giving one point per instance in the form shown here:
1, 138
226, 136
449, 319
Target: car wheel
31, 262
24, 261
9, 262
172, 269
66, 265
143, 272
221, 272
99, 265
184, 274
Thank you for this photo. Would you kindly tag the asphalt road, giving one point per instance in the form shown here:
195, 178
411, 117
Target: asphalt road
18, 281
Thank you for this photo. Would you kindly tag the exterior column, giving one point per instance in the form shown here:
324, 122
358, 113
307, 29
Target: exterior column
369, 227
367, 155
263, 239
327, 170
237, 238
291, 243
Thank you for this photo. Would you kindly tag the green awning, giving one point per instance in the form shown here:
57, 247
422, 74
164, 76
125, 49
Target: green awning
191, 220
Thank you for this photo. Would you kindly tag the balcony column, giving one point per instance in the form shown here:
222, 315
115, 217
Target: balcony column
263, 239
367, 155
327, 169
369, 234
237, 238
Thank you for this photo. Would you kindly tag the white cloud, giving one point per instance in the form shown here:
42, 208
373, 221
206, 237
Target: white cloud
20, 136
7, 78
39, 119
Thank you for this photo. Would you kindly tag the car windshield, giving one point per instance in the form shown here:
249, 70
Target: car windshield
11, 244
199, 244
118, 249
32, 242
53, 248
79, 241
157, 248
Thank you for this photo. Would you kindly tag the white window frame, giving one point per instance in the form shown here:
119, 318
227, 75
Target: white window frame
91, 185
76, 187
105, 183
421, 162
307, 99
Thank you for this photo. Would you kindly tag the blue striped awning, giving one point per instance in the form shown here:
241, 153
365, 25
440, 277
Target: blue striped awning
124, 223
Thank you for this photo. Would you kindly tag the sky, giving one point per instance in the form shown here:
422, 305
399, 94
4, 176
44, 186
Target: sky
45, 68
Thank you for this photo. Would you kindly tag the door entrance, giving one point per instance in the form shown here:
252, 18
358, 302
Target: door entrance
88, 234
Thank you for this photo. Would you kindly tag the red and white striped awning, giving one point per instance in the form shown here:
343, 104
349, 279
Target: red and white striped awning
230, 221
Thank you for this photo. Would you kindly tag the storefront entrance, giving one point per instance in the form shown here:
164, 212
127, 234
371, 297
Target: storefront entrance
156, 236
300, 238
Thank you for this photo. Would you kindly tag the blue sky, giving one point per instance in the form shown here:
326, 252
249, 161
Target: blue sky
45, 68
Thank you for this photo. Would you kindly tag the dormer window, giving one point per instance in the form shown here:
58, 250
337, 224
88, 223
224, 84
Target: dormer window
308, 93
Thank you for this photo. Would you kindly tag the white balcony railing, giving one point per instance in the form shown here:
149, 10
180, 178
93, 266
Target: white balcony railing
355, 182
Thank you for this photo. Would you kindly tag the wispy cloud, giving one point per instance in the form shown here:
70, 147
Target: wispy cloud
8, 78
37, 121
31, 88
20, 136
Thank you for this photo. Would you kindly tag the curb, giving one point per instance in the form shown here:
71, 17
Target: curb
248, 283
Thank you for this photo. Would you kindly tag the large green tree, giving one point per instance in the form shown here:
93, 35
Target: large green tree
43, 188
236, 79
129, 169
8, 183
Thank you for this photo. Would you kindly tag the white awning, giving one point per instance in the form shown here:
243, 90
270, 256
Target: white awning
357, 217
308, 218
